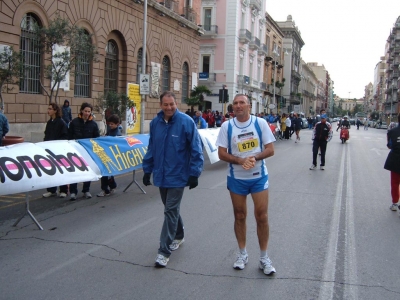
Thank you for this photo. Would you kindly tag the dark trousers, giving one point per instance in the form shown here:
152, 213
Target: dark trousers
286, 133
108, 183
63, 189
173, 225
73, 187
321, 144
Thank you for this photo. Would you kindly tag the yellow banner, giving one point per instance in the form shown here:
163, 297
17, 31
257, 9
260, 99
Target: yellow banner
133, 114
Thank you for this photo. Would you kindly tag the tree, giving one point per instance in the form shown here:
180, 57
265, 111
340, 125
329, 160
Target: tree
10, 70
113, 103
197, 96
66, 44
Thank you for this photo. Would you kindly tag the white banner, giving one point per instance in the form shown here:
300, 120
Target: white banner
209, 138
26, 167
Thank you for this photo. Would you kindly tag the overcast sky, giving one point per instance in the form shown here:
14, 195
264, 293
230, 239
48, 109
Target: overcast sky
347, 36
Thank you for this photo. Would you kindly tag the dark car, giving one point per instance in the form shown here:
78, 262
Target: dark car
305, 123
352, 122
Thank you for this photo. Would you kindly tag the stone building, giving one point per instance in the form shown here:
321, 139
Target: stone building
172, 51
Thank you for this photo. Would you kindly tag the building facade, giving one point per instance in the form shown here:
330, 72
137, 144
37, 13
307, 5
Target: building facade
308, 88
391, 105
172, 53
292, 44
232, 50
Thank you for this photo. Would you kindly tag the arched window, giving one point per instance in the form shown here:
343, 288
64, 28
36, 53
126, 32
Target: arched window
30, 51
82, 74
185, 81
139, 65
111, 67
166, 71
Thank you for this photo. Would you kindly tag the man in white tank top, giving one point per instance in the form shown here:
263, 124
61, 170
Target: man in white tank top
244, 142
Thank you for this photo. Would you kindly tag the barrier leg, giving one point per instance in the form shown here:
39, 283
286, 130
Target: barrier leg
134, 181
28, 212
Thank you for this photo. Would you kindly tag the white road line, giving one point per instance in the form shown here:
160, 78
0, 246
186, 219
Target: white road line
95, 248
350, 265
329, 271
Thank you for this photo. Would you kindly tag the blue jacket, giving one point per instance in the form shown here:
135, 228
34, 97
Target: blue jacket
174, 152
200, 121
4, 127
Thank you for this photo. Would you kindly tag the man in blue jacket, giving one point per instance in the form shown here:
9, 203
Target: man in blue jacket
174, 156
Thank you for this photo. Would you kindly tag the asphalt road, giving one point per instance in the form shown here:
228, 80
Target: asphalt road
332, 235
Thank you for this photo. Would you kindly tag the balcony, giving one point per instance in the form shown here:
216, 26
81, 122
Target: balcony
294, 99
243, 80
263, 50
255, 83
189, 14
171, 5
210, 31
397, 49
256, 4
263, 86
296, 74
207, 77
254, 43
244, 36
396, 74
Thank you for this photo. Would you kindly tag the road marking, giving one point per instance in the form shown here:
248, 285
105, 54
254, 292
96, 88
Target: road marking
376, 151
86, 253
328, 275
350, 264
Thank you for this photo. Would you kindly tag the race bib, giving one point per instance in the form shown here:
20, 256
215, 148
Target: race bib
248, 145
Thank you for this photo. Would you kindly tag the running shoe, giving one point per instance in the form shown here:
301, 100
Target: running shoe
72, 197
393, 207
322, 168
161, 261
313, 167
87, 195
241, 261
63, 195
49, 194
103, 194
266, 266
175, 244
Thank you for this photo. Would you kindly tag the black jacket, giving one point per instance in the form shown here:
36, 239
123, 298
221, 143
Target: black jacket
55, 130
297, 123
78, 129
393, 160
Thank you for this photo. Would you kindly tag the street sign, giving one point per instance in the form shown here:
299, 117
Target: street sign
144, 83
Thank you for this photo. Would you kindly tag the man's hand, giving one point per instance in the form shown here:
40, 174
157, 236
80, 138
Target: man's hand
146, 179
192, 182
249, 163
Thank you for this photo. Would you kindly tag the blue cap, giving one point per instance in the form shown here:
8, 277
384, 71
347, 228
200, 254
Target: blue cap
323, 116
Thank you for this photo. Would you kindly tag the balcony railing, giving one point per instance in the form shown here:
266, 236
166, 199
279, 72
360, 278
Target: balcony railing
190, 14
170, 4
210, 30
263, 50
207, 77
244, 36
396, 74
254, 43
243, 80
255, 4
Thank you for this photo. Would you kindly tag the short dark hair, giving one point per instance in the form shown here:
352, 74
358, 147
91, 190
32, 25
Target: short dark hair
55, 107
85, 104
114, 119
239, 95
167, 93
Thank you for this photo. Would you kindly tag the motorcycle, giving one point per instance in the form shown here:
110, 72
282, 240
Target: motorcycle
344, 134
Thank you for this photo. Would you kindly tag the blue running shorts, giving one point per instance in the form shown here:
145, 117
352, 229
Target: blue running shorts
245, 187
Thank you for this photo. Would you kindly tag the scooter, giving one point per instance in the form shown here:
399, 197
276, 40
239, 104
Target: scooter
344, 134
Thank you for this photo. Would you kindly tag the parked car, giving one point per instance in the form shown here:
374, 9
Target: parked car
383, 125
352, 122
305, 123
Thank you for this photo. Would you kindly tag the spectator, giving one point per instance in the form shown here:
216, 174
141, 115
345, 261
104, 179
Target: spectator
108, 184
4, 126
392, 163
82, 127
199, 121
175, 158
322, 134
66, 112
56, 129
218, 119
297, 124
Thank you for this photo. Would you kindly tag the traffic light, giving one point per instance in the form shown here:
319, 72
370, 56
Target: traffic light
223, 96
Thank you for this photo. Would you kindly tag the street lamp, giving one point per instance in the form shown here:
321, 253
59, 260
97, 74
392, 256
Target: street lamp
275, 66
